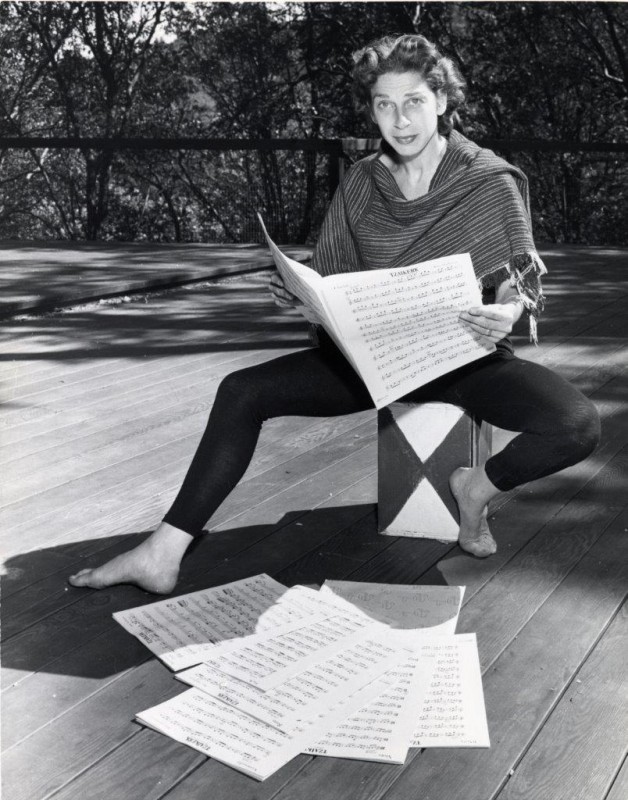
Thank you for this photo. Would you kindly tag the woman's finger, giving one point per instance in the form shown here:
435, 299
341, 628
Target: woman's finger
281, 295
484, 324
283, 300
487, 334
492, 312
277, 285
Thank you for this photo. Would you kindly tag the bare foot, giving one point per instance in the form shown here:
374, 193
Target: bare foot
153, 565
475, 536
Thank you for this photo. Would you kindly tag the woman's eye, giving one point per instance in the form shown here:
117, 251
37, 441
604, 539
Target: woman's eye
413, 101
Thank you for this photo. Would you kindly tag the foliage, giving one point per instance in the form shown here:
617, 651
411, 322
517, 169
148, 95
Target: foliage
555, 71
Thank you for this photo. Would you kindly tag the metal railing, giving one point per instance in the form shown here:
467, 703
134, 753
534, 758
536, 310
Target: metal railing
208, 189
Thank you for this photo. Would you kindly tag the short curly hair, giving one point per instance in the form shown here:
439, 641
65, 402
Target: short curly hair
408, 53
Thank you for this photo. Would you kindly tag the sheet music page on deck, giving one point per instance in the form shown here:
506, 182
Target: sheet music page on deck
453, 714
433, 609
237, 739
270, 662
402, 326
383, 729
186, 630
314, 691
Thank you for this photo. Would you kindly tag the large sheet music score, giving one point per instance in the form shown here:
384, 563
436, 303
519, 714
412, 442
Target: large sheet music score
399, 328
187, 630
319, 686
354, 670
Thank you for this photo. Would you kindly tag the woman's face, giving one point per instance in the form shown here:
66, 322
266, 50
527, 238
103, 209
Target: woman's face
406, 111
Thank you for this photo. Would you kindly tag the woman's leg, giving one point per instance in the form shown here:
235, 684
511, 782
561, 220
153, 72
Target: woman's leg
315, 382
558, 427
311, 383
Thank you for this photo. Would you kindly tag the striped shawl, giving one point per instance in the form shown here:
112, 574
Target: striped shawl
477, 203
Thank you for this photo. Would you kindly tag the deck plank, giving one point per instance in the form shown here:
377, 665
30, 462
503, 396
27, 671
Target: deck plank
282, 440
169, 380
199, 376
88, 738
74, 502
619, 789
99, 391
42, 275
579, 750
163, 763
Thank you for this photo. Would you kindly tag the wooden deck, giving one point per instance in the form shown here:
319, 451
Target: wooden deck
41, 276
102, 410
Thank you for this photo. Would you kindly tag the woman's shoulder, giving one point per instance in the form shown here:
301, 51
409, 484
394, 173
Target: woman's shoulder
358, 180
461, 151
460, 155
361, 170
481, 162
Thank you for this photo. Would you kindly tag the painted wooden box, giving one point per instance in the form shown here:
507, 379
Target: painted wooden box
419, 446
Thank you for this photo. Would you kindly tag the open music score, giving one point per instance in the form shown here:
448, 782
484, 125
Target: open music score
399, 328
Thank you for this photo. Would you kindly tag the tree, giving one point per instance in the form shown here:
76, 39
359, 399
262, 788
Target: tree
534, 72
551, 70
79, 75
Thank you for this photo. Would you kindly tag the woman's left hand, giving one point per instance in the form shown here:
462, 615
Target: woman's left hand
491, 322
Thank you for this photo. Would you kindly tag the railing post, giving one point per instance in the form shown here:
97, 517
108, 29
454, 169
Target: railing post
335, 167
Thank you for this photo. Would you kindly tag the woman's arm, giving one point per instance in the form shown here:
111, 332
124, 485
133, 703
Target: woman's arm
496, 320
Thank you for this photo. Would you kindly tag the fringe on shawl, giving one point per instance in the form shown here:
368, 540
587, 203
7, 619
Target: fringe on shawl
524, 273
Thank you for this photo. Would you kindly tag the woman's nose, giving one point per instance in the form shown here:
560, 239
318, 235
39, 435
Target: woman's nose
401, 121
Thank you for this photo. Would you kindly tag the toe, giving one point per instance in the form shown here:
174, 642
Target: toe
81, 578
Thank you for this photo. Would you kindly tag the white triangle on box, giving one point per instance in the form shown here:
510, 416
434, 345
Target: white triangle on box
424, 515
425, 425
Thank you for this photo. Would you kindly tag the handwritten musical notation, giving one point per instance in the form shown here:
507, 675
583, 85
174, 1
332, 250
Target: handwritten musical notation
382, 730
403, 325
399, 328
353, 670
294, 701
239, 740
186, 630
453, 714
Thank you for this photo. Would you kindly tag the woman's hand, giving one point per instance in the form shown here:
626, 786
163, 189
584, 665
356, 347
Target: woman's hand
491, 322
281, 295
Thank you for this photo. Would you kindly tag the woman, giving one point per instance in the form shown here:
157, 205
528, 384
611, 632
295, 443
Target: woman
429, 192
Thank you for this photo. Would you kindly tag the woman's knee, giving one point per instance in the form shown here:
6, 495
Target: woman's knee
236, 391
245, 393
581, 429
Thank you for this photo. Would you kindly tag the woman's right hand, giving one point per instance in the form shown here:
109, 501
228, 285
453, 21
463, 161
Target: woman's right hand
281, 295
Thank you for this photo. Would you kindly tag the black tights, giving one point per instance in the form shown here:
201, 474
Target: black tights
558, 425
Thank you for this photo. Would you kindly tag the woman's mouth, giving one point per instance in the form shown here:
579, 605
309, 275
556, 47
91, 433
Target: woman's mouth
405, 139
